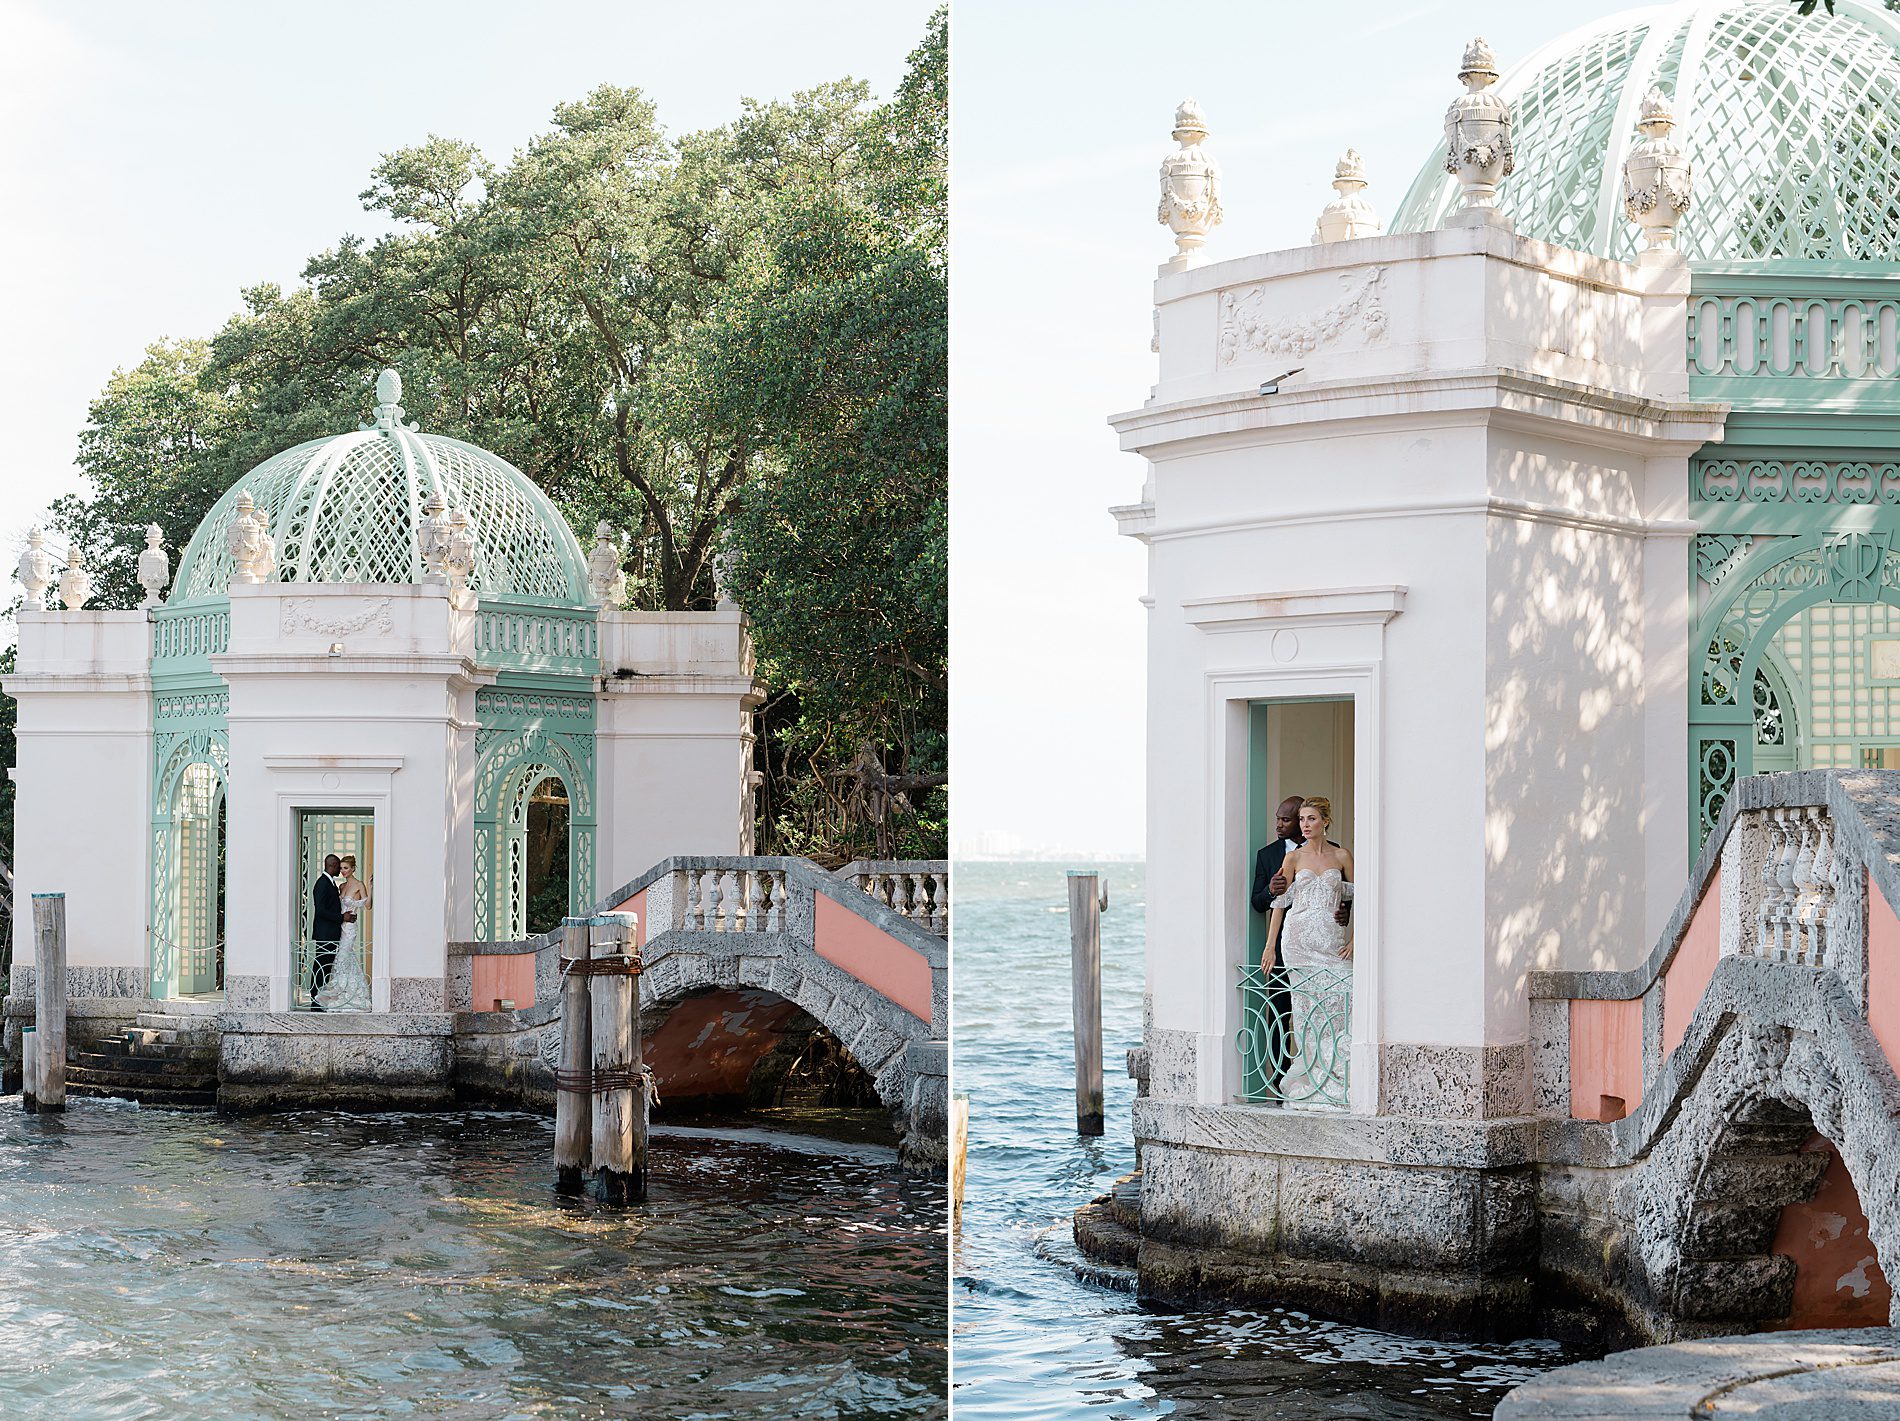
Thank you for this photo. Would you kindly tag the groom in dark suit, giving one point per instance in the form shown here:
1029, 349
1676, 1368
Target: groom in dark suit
1269, 883
326, 923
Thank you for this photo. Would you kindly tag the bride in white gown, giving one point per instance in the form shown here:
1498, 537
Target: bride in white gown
1317, 956
348, 989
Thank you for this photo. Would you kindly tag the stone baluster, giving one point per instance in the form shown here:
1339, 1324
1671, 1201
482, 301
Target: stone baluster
919, 901
1821, 915
1784, 887
713, 894
774, 900
755, 902
688, 882
1770, 830
1801, 905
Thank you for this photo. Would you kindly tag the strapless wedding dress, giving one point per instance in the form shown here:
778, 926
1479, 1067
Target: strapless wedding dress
1319, 981
348, 988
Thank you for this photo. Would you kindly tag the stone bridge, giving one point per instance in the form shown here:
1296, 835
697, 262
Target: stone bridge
742, 957
1721, 1148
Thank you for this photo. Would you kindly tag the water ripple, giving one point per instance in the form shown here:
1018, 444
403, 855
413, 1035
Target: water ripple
1035, 1343
318, 1264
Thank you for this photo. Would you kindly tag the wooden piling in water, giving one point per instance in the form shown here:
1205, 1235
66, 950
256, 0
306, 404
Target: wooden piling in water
959, 1150
642, 1103
573, 1080
29, 1071
612, 988
1086, 902
49, 994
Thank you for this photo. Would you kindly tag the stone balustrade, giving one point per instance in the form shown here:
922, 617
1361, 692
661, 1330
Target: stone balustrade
730, 899
1798, 865
917, 889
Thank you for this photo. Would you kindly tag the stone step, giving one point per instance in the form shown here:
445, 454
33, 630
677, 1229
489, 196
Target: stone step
1124, 1202
170, 1036
171, 1021
147, 1066
158, 1099
123, 1050
1101, 1236
138, 1082
176, 1006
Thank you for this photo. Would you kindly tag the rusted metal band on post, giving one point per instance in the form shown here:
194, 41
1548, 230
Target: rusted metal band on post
615, 966
574, 1082
612, 1078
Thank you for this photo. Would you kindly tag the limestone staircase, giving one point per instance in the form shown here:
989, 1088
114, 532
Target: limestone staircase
167, 1059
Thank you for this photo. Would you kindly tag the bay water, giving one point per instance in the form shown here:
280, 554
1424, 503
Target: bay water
1032, 1339
314, 1264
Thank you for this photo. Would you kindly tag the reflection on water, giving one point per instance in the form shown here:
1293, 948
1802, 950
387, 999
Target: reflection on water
1032, 1340
318, 1264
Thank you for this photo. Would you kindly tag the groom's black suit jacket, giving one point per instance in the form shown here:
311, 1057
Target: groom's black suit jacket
326, 917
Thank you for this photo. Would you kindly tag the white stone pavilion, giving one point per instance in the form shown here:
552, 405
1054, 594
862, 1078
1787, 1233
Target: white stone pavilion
1526, 530
387, 643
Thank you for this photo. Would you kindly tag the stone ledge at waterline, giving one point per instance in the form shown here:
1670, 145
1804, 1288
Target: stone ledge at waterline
1846, 1374
363, 1060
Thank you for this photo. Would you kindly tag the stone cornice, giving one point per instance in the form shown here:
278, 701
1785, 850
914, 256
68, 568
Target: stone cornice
1583, 413
1348, 606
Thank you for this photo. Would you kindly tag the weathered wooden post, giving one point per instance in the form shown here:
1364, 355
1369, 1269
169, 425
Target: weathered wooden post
573, 1079
29, 1071
49, 978
619, 1174
1086, 902
959, 1152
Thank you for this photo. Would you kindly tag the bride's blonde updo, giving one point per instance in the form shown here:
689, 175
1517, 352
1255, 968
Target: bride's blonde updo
349, 860
1322, 804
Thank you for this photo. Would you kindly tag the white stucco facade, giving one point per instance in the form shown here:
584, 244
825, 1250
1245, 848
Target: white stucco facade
1464, 512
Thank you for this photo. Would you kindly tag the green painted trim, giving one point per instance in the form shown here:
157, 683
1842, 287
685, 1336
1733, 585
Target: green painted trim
1259, 819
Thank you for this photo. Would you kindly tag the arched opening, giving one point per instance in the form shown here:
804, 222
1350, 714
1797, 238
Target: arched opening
546, 884
188, 889
724, 1052
1838, 1280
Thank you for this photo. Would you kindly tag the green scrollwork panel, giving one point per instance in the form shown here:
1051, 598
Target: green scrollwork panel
1295, 1034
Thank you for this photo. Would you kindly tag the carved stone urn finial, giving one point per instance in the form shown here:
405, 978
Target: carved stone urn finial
722, 579
155, 569
35, 571
432, 537
606, 581
1656, 176
245, 537
75, 583
1478, 136
1190, 188
1349, 215
458, 559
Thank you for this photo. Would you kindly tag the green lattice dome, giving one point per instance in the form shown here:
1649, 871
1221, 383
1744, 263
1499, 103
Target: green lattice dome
345, 509
1791, 122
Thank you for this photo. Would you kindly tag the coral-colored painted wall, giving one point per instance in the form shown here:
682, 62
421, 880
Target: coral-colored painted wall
1688, 974
1883, 973
638, 906
1838, 1281
503, 976
709, 1044
1606, 1057
874, 957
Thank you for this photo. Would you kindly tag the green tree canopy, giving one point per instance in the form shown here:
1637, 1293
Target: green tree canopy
730, 338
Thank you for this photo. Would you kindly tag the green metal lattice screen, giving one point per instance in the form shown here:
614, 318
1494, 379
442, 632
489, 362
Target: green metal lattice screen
191, 752
526, 735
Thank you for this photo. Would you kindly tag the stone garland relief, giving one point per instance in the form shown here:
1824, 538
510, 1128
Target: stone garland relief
1247, 329
297, 616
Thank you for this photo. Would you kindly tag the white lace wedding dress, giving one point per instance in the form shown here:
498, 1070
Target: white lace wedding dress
348, 989
1319, 979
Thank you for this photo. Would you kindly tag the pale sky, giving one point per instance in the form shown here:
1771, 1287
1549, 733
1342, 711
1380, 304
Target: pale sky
157, 158
1060, 115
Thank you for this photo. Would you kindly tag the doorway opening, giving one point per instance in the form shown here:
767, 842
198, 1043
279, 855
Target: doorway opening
1296, 990
331, 973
